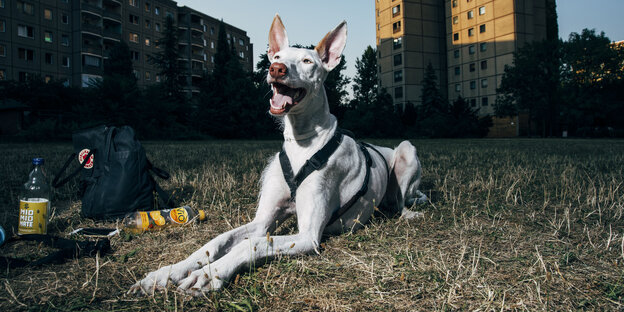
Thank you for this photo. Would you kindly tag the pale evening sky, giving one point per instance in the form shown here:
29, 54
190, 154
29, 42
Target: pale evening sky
308, 21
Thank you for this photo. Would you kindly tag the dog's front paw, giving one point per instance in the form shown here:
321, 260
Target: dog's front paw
201, 281
156, 280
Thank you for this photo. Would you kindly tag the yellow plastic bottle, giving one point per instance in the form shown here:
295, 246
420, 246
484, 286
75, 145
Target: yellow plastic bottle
141, 221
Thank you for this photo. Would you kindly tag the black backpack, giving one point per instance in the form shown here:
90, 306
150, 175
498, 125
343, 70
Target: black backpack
114, 172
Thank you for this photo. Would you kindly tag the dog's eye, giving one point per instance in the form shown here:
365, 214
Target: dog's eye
276, 57
307, 61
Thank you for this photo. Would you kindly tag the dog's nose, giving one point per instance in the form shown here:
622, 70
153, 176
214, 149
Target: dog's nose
278, 70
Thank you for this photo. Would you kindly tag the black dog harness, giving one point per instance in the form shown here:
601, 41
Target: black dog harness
318, 160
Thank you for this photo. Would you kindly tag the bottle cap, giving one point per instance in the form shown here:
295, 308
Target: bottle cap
38, 161
202, 215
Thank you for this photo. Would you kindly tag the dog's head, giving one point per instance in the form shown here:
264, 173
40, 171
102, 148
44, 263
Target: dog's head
297, 74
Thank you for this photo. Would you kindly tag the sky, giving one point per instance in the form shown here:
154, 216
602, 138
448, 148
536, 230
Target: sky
307, 22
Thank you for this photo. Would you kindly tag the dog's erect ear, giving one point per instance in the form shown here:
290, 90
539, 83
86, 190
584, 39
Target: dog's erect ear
278, 39
330, 48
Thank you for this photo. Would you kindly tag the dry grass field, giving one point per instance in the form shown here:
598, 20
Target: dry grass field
525, 224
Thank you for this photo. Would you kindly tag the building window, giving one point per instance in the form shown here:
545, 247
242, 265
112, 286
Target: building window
47, 78
157, 27
65, 61
396, 27
457, 71
454, 3
473, 85
470, 14
483, 64
133, 3
471, 49
26, 8
473, 67
398, 92
457, 87
2, 26
482, 28
47, 14
91, 61
242, 54
2, 71
470, 32
133, 19
455, 20
398, 76
456, 53
241, 42
47, 36
398, 60
396, 10
169, 14
482, 10
65, 18
455, 36
484, 101
25, 54
65, 40
48, 59
133, 37
484, 83
2, 6
157, 78
397, 43
134, 55
148, 42
473, 102
483, 46
157, 10
147, 6
212, 44
2, 50
148, 76
25, 31
148, 24
212, 30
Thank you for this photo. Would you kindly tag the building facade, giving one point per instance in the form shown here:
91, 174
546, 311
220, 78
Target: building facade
69, 40
468, 42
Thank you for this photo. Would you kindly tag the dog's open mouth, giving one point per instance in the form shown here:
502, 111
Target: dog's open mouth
285, 97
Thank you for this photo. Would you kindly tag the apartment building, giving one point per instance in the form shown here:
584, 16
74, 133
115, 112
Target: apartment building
69, 40
468, 42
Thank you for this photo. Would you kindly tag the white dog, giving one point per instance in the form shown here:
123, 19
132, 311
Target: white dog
335, 191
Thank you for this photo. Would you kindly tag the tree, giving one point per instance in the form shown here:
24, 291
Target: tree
171, 72
115, 96
593, 82
433, 113
532, 85
230, 98
365, 87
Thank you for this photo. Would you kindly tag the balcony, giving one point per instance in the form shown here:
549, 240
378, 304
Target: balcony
197, 72
112, 34
91, 8
92, 49
114, 2
197, 26
112, 15
91, 29
198, 41
197, 57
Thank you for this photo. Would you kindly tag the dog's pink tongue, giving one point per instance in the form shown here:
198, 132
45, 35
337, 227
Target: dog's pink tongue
280, 101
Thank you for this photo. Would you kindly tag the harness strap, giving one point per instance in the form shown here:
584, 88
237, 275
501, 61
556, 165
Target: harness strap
361, 192
319, 159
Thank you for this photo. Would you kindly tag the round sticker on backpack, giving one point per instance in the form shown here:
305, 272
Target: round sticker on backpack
81, 158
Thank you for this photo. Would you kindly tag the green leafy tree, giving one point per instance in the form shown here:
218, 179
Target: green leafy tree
231, 103
532, 85
593, 82
433, 113
116, 95
171, 70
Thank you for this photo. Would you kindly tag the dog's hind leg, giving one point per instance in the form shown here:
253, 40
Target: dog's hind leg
402, 191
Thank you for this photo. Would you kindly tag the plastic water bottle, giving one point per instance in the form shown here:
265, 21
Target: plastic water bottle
141, 221
34, 204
